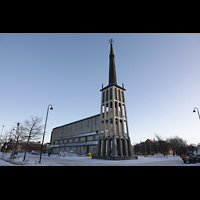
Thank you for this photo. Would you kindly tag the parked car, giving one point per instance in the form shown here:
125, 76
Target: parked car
190, 158
35, 152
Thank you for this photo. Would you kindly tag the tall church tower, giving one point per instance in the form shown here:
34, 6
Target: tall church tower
114, 142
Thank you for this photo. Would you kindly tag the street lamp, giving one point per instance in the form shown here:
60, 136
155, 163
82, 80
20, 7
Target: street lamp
51, 108
194, 110
2, 130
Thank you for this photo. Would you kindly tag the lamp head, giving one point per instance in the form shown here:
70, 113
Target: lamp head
51, 108
194, 110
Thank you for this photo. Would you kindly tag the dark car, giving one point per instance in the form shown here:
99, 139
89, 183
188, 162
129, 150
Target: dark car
190, 158
35, 152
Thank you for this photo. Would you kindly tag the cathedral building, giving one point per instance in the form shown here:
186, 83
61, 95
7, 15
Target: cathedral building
80, 136
105, 135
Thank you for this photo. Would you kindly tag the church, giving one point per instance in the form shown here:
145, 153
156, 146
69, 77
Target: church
104, 135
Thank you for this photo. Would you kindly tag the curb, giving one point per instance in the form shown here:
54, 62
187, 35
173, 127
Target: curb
15, 163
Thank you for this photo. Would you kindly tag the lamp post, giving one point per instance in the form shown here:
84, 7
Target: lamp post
51, 108
194, 110
2, 130
1, 136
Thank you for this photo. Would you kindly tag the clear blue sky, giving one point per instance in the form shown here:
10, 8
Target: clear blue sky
161, 73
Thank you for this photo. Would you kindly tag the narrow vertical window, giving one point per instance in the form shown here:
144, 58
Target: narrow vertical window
103, 97
110, 93
106, 110
106, 95
124, 113
119, 95
125, 127
103, 111
120, 110
116, 110
122, 96
116, 93
111, 105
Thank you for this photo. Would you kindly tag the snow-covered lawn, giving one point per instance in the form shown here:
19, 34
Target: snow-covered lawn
74, 160
4, 163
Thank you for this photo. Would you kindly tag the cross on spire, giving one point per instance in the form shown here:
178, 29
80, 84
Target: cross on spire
111, 41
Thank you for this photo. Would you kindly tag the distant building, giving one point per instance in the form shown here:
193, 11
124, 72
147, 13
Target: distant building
151, 147
33, 146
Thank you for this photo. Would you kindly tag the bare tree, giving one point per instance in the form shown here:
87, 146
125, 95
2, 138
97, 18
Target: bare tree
33, 130
178, 145
18, 136
5, 139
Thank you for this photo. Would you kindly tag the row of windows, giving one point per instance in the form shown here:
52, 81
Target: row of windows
106, 126
120, 95
74, 140
119, 110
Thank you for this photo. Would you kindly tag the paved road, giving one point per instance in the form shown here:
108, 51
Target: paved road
177, 162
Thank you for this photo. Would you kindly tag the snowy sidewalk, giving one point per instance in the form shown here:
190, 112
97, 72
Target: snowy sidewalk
73, 160
6, 158
5, 163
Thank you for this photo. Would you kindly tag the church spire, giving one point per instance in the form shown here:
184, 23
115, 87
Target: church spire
112, 71
114, 142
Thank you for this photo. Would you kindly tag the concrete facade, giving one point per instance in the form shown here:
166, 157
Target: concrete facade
80, 136
114, 142
105, 135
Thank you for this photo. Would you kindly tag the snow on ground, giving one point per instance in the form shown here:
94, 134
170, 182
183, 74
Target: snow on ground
75, 160
4, 163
